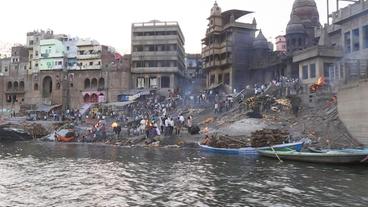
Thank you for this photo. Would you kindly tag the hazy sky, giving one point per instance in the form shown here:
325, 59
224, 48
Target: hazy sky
109, 21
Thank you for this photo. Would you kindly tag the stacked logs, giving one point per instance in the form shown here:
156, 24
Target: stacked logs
225, 141
268, 137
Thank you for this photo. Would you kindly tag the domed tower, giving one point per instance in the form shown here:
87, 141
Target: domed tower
215, 19
304, 18
260, 43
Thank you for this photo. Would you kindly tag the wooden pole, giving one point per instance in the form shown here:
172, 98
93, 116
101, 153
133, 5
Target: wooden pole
276, 154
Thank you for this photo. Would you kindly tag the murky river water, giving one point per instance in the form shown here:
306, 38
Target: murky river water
52, 174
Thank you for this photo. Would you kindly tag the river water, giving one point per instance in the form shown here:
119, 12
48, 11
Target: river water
56, 174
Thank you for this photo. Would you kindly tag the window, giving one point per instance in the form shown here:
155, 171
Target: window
140, 82
212, 79
293, 42
220, 78
341, 71
87, 84
326, 69
90, 63
68, 48
227, 78
312, 68
365, 36
35, 87
165, 82
153, 82
356, 44
347, 42
305, 72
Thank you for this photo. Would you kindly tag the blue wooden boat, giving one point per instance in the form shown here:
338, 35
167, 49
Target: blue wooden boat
333, 156
249, 150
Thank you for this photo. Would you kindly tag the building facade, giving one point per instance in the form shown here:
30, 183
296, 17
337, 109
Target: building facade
158, 56
227, 47
234, 56
193, 64
342, 50
57, 80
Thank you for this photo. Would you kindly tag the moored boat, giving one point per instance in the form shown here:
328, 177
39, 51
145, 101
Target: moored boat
249, 150
338, 156
65, 135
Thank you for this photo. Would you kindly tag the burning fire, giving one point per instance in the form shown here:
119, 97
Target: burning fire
319, 84
321, 81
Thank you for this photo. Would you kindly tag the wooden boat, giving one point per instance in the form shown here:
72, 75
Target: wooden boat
249, 150
65, 135
338, 156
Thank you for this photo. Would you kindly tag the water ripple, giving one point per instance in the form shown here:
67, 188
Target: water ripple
86, 175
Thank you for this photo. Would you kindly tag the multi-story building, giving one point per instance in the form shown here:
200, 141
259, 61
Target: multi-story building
193, 63
91, 55
52, 55
341, 58
56, 78
227, 48
33, 45
158, 56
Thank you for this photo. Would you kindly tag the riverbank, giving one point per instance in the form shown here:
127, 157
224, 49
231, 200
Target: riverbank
245, 114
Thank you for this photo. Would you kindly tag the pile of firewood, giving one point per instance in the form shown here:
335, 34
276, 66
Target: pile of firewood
224, 141
268, 137
36, 130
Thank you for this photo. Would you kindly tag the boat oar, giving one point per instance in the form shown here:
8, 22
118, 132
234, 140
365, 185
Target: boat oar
276, 154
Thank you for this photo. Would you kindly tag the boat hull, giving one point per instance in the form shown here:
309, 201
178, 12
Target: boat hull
248, 150
331, 158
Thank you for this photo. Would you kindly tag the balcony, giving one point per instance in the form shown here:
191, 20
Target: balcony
154, 55
90, 67
349, 12
15, 90
217, 63
156, 70
89, 56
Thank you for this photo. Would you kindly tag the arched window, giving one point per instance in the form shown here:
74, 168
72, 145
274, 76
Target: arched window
94, 83
87, 98
35, 87
47, 87
21, 85
10, 85
101, 83
87, 83
16, 85
94, 98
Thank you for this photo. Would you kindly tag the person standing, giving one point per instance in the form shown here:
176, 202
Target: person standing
189, 123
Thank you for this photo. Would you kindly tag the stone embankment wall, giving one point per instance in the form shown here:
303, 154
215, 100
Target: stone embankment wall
353, 109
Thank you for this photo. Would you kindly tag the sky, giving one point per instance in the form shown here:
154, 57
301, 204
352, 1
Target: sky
109, 21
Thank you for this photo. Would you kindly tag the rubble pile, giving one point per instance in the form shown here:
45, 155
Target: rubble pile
225, 141
268, 137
